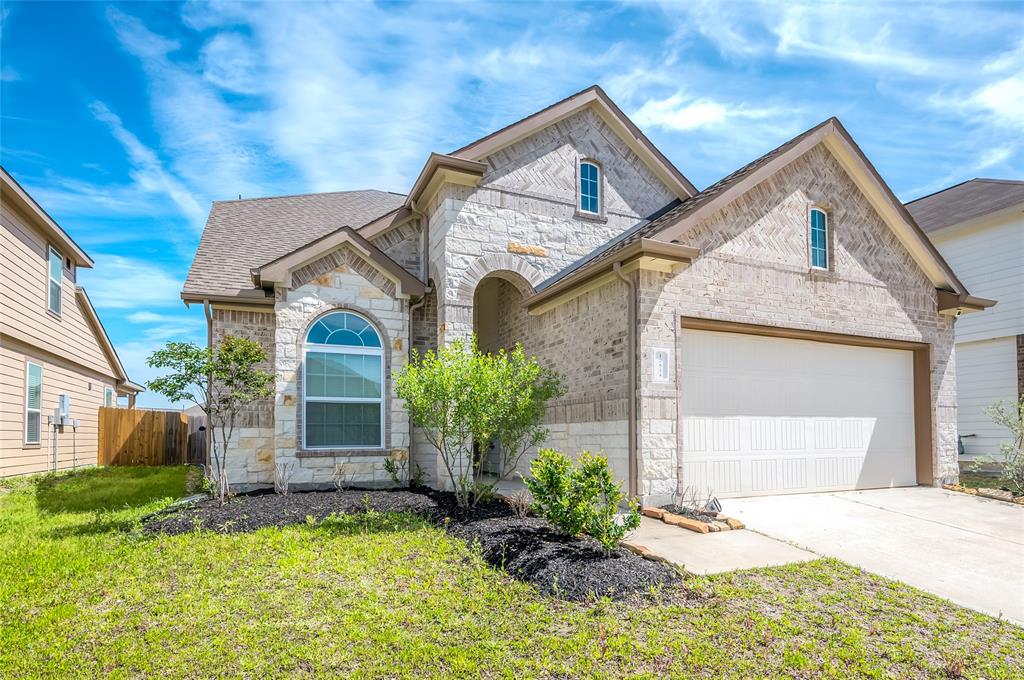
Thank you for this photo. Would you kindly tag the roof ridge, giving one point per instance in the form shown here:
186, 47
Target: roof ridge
494, 133
309, 193
996, 180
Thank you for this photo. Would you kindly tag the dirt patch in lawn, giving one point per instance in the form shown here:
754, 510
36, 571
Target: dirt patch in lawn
529, 549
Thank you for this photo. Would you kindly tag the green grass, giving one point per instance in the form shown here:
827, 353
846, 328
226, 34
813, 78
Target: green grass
84, 593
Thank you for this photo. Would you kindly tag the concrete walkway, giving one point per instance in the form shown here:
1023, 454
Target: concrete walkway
715, 553
961, 547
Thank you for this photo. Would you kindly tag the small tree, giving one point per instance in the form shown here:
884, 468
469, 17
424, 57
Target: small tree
221, 381
1011, 466
460, 396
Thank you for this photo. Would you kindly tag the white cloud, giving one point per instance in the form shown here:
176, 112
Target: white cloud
127, 283
684, 113
1003, 100
230, 62
148, 172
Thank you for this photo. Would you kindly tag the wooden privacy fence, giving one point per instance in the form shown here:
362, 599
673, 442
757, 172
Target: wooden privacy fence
138, 437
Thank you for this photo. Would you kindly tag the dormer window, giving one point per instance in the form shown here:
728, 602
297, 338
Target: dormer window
819, 239
590, 188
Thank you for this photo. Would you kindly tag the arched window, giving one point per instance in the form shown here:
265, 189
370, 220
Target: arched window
343, 384
590, 187
819, 238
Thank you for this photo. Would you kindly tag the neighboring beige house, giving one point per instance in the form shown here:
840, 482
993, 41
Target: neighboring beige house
789, 328
53, 349
978, 226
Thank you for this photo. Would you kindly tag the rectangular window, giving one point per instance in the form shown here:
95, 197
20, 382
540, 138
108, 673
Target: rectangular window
33, 402
108, 397
56, 266
819, 239
344, 398
590, 183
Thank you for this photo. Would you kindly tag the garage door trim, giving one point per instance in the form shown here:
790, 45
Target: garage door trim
922, 373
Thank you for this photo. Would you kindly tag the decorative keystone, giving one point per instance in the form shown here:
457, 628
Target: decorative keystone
520, 249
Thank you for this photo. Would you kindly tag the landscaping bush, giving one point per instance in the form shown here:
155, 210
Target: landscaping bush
1011, 465
461, 396
582, 498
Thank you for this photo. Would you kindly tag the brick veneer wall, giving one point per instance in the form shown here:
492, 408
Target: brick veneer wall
753, 268
250, 458
584, 340
402, 244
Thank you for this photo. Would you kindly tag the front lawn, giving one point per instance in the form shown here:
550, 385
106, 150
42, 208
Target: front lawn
83, 592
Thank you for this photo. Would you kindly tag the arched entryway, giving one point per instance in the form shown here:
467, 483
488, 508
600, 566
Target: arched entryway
499, 318
500, 321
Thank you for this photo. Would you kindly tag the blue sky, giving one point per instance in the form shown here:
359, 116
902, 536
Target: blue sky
126, 120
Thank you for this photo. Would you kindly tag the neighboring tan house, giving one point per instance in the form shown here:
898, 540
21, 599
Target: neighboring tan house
53, 348
789, 328
978, 226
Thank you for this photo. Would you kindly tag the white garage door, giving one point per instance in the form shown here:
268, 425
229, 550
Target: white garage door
766, 415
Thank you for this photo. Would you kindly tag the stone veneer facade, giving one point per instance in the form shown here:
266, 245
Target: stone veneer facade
345, 286
520, 224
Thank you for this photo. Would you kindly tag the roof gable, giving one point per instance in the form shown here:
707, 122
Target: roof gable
281, 269
595, 98
830, 133
15, 194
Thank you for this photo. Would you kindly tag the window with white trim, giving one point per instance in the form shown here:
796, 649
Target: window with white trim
819, 238
590, 188
343, 384
56, 280
108, 397
33, 402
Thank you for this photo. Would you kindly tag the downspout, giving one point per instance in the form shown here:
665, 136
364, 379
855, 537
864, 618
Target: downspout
631, 365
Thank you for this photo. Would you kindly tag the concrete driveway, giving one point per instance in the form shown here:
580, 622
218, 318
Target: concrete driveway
967, 549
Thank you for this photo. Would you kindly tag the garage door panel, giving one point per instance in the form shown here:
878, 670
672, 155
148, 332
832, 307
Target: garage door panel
773, 415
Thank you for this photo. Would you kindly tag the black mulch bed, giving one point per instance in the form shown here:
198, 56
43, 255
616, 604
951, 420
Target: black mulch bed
528, 548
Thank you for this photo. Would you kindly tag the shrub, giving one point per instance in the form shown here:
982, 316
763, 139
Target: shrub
460, 396
1011, 464
582, 498
604, 497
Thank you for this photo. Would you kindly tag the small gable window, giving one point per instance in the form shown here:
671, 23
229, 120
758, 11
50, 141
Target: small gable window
56, 276
590, 188
819, 239
343, 384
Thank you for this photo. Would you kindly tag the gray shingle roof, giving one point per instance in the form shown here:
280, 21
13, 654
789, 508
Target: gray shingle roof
965, 201
244, 234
